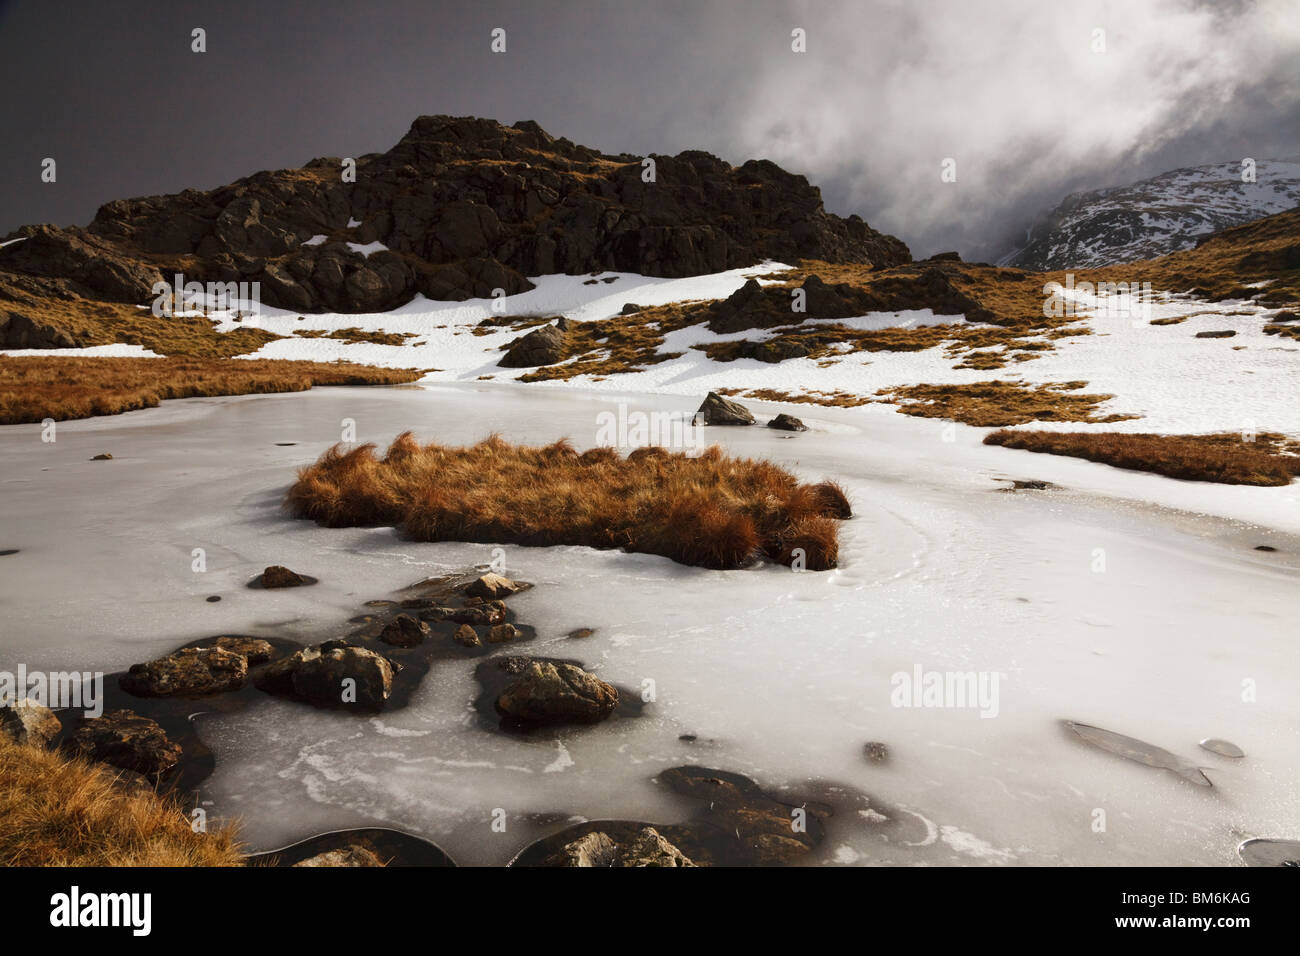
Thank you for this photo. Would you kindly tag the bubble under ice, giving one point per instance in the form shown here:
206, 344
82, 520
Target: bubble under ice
780, 676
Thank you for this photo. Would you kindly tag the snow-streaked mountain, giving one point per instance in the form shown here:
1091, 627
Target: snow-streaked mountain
1156, 216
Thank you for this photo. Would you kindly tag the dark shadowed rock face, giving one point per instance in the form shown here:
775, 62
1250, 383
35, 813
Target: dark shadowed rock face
754, 306
464, 206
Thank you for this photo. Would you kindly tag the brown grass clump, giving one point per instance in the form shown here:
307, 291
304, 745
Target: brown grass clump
33, 388
355, 335
57, 810
1001, 403
1224, 458
622, 343
711, 510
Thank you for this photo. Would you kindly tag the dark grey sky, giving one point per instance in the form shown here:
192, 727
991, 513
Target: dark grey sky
887, 89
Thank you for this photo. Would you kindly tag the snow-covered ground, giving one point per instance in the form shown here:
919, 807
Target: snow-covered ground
1171, 380
1124, 600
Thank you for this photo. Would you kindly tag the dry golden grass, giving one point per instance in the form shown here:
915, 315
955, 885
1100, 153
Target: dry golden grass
1000, 403
38, 387
1224, 457
622, 343
811, 397
711, 510
62, 811
354, 335
91, 322
1225, 265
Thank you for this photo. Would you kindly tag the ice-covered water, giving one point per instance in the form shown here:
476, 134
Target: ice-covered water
1128, 601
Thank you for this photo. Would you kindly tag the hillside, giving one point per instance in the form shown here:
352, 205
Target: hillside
1156, 216
460, 207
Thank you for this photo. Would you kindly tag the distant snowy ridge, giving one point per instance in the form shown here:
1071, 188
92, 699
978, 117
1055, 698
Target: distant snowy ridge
1156, 216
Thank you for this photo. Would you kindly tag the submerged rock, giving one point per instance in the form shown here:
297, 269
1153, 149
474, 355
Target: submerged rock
1222, 747
1139, 751
717, 410
548, 693
189, 672
404, 631
125, 739
278, 576
787, 423
1261, 852
27, 722
875, 751
317, 675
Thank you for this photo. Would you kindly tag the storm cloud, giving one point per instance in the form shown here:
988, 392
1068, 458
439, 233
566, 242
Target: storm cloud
1028, 98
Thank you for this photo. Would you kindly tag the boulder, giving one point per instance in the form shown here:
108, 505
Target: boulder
787, 423
651, 849
491, 586
466, 636
278, 576
549, 693
124, 739
317, 675
404, 631
353, 855
541, 346
717, 410
1217, 334
189, 672
503, 634
252, 649
27, 722
594, 849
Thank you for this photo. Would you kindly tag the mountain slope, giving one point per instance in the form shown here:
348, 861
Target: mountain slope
460, 207
1156, 216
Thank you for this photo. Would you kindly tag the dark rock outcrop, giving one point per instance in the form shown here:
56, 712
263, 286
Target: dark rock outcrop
461, 206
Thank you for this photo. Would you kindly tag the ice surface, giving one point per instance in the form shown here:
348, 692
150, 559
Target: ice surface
781, 676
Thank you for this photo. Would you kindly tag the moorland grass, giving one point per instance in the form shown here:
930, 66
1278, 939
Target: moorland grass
33, 388
57, 810
1224, 458
709, 510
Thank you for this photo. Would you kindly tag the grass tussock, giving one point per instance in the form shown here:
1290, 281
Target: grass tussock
709, 510
1226, 458
62, 811
1002, 403
38, 387
354, 335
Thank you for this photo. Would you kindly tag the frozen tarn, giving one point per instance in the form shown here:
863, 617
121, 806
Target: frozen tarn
1097, 603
